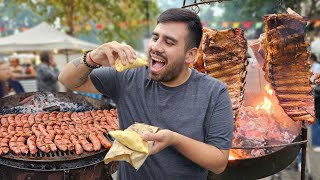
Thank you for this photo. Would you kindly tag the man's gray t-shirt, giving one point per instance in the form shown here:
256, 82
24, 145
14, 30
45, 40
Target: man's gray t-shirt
200, 108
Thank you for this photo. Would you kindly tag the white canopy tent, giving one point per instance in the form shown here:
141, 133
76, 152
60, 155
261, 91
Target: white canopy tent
43, 37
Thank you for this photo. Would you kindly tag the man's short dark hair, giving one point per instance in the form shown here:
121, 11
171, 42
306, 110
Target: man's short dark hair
45, 56
186, 16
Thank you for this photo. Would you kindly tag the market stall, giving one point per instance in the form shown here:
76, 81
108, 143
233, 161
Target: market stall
42, 37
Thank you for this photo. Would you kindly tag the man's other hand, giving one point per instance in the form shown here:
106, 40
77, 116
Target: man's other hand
162, 139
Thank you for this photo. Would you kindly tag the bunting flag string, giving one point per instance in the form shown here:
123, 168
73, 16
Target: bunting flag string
315, 23
217, 25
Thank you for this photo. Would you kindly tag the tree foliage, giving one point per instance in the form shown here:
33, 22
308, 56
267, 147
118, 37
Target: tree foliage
124, 16
280, 6
254, 10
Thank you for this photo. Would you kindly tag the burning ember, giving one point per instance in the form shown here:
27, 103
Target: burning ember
261, 122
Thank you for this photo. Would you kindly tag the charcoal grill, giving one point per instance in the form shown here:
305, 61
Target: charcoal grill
266, 165
60, 164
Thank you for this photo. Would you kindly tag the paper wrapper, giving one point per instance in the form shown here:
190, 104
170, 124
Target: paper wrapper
137, 63
119, 152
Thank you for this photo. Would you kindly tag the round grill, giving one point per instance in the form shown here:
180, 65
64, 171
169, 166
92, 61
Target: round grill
59, 160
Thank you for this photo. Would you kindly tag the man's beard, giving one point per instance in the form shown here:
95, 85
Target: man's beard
171, 72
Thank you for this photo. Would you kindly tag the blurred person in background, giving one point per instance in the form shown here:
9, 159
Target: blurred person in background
7, 85
315, 128
47, 73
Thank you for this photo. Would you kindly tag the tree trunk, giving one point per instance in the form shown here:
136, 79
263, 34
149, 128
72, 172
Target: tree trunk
313, 8
69, 9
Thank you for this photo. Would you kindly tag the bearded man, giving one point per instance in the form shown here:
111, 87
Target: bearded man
192, 109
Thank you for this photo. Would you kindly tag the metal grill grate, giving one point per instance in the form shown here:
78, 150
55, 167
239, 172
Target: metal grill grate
53, 161
54, 156
51, 156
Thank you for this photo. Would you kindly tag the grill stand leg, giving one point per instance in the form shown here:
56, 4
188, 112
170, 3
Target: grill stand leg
304, 135
66, 174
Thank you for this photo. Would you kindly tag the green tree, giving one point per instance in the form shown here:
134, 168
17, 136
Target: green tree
15, 16
121, 15
280, 6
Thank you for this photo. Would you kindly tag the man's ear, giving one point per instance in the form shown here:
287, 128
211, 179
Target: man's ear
191, 55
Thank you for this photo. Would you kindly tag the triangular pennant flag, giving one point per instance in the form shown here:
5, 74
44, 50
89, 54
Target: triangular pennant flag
236, 24
77, 28
213, 25
258, 25
88, 27
122, 25
133, 23
225, 24
111, 26
247, 24
99, 26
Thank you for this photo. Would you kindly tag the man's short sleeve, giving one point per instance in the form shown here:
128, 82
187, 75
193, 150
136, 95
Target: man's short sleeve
220, 126
105, 81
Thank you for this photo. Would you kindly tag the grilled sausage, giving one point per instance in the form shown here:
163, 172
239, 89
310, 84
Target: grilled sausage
4, 121
4, 145
42, 145
77, 145
49, 142
31, 142
59, 143
11, 120
85, 144
21, 144
31, 119
95, 141
66, 140
13, 145
38, 117
104, 141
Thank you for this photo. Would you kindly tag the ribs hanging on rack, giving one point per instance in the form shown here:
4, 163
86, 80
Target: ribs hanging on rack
286, 64
225, 58
199, 62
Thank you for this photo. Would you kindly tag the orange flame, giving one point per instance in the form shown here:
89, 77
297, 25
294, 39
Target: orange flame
231, 157
268, 89
267, 104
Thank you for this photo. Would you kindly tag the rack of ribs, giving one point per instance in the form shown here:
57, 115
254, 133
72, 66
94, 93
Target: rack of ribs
286, 64
225, 58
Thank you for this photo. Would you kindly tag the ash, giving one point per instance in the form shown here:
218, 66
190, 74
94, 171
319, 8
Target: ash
43, 100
